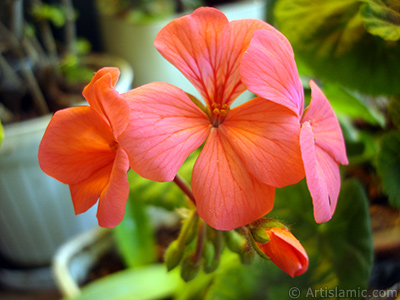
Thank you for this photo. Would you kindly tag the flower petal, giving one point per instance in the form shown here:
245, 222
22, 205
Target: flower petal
227, 195
266, 137
76, 145
286, 252
268, 69
106, 101
86, 193
322, 174
165, 127
111, 74
332, 176
206, 48
242, 32
327, 132
113, 198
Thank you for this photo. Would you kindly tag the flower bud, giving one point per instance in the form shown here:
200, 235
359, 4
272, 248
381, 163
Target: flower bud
189, 268
260, 235
238, 244
173, 255
234, 241
285, 251
210, 262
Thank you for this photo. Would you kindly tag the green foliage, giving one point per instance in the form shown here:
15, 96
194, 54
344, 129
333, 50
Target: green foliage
347, 238
52, 13
348, 104
340, 251
388, 165
134, 236
149, 283
330, 36
137, 11
72, 68
382, 18
163, 194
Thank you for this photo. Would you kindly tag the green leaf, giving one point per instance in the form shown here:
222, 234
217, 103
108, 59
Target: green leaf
388, 165
382, 18
50, 13
346, 103
235, 281
134, 236
340, 251
148, 283
331, 38
163, 194
347, 238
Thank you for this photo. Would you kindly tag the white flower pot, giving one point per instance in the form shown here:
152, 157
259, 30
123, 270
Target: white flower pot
36, 211
75, 258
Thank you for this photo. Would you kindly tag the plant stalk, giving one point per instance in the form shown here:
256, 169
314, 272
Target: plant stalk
183, 185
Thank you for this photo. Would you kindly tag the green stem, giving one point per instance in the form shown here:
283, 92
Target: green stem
200, 242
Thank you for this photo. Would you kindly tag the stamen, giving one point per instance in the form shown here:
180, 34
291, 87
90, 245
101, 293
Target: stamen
218, 113
113, 145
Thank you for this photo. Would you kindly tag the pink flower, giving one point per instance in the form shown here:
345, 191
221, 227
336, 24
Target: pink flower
268, 69
285, 251
248, 150
80, 148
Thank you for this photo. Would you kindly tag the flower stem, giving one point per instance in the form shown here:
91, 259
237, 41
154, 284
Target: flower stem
183, 185
201, 236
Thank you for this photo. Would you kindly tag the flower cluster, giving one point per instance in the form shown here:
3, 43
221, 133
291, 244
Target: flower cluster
268, 142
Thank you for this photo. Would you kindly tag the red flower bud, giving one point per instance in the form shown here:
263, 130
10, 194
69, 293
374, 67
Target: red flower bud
285, 251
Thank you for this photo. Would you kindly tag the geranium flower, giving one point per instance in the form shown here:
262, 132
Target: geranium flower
269, 70
80, 148
248, 150
285, 251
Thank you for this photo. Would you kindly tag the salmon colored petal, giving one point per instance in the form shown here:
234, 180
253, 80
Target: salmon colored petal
266, 137
286, 252
331, 170
192, 43
322, 174
86, 193
165, 127
268, 70
106, 101
327, 132
206, 48
109, 72
76, 145
227, 195
242, 32
113, 198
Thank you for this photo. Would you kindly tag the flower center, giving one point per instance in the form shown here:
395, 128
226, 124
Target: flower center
113, 145
218, 113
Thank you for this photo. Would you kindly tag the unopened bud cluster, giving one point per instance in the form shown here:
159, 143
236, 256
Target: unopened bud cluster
199, 246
